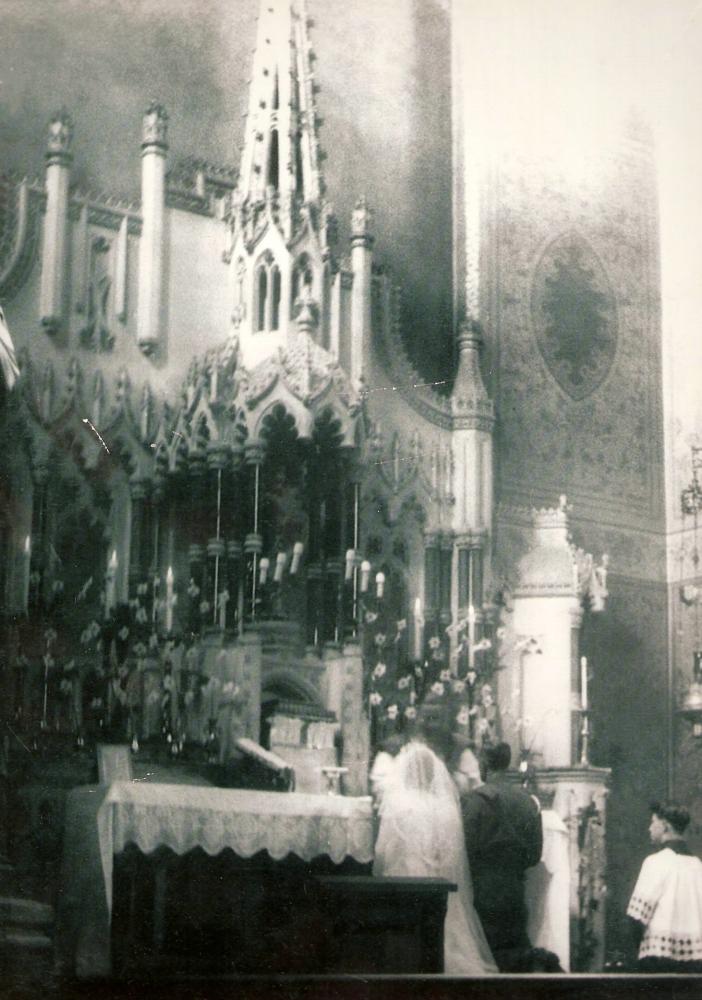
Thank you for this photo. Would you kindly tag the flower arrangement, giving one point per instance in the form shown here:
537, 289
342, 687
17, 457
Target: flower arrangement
447, 683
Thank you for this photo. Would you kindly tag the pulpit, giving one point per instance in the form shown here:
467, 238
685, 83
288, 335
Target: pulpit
543, 694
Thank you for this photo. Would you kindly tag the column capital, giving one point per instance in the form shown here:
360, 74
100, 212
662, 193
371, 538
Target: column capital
139, 488
217, 455
196, 463
361, 223
254, 451
59, 139
154, 134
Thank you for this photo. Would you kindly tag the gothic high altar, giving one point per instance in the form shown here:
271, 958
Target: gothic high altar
234, 510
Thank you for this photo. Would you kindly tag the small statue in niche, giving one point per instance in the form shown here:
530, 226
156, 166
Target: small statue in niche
96, 335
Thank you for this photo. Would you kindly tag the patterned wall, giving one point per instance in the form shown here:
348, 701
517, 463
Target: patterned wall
573, 336
574, 357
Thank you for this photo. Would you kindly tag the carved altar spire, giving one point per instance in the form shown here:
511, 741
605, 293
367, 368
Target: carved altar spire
280, 160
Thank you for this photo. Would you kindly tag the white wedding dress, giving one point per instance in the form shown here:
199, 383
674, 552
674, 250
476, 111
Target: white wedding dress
421, 834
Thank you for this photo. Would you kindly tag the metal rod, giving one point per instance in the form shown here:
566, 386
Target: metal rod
217, 532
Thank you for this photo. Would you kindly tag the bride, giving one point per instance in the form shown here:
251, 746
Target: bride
421, 834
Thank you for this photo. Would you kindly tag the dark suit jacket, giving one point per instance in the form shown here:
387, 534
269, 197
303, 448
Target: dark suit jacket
504, 837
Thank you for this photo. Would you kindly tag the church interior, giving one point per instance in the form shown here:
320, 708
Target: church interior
349, 372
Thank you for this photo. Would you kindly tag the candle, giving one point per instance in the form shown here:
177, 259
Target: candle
26, 564
365, 575
279, 567
296, 557
583, 683
471, 636
418, 645
111, 583
263, 570
350, 560
379, 585
154, 599
223, 601
170, 601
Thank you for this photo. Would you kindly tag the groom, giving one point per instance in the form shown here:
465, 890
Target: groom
503, 833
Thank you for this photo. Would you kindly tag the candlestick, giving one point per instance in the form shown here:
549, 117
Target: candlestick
154, 599
170, 601
298, 548
585, 740
111, 583
223, 601
583, 683
263, 570
471, 637
365, 575
418, 632
26, 565
350, 560
379, 585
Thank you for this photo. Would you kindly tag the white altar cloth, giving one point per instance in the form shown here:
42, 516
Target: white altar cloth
183, 817
101, 821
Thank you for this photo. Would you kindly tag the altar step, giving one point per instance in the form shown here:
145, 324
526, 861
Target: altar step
26, 929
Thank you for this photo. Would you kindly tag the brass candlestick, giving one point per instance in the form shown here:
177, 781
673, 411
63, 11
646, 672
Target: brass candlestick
584, 737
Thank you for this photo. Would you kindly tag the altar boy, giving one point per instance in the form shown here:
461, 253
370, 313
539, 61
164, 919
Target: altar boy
666, 904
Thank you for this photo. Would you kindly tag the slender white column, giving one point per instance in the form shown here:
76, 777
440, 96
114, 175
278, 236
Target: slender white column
361, 265
153, 173
53, 264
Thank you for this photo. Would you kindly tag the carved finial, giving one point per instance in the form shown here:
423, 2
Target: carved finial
469, 395
47, 391
123, 388
155, 127
98, 399
147, 404
307, 313
361, 223
59, 138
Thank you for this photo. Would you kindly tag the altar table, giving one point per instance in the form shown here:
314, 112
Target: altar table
101, 820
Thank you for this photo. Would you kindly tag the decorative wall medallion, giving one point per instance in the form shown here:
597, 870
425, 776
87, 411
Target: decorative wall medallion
574, 315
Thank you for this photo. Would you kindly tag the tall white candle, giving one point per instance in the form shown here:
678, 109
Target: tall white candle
365, 575
379, 585
583, 683
296, 557
279, 567
418, 645
350, 560
26, 565
111, 583
263, 570
169, 600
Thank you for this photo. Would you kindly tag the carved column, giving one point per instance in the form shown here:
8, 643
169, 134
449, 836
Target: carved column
39, 540
217, 457
197, 566
53, 263
233, 534
138, 545
432, 585
361, 264
445, 561
253, 543
153, 172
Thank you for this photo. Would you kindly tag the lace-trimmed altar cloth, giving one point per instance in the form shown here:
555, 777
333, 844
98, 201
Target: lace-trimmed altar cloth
183, 817
100, 820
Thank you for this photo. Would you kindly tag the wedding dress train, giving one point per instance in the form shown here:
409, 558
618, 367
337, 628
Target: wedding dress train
421, 834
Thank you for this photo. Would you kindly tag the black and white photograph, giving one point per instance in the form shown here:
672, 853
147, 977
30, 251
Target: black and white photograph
350, 498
